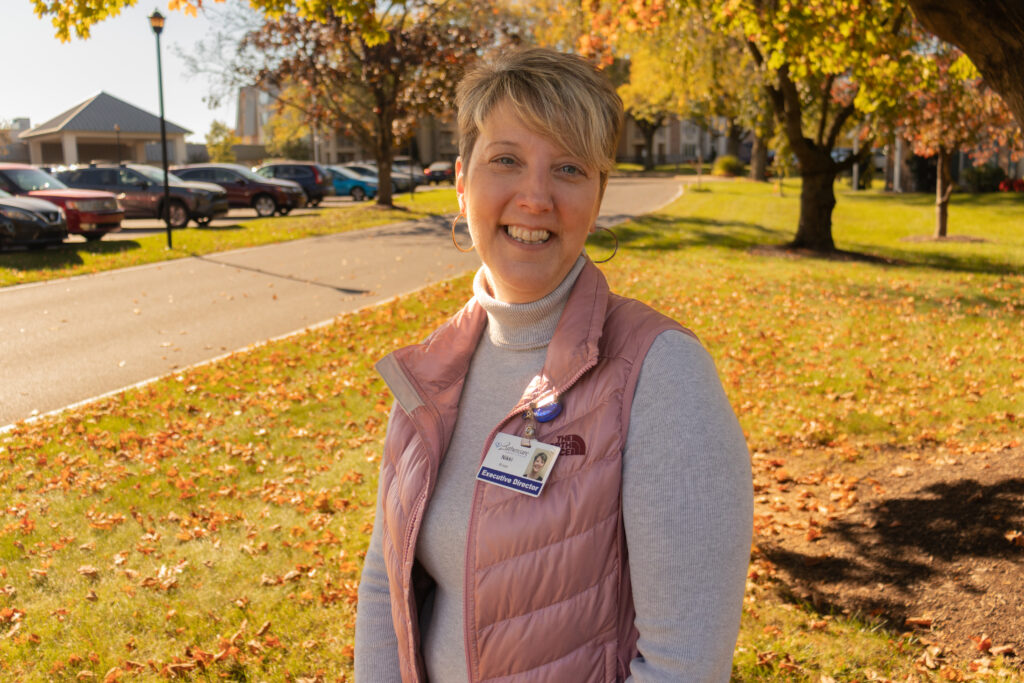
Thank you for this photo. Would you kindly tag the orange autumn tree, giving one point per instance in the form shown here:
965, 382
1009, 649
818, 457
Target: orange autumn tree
947, 107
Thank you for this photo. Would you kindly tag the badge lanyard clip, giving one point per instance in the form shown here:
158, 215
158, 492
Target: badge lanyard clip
531, 426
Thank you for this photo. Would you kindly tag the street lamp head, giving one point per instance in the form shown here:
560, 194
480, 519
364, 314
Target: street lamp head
156, 22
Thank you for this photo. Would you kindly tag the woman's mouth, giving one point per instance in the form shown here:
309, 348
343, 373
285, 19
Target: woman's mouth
527, 235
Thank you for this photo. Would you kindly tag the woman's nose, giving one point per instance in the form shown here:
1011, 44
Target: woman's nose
535, 192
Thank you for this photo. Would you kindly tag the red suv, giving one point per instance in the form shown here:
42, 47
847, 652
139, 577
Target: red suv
90, 213
246, 189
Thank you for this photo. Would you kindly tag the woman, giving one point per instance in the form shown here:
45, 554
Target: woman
537, 467
630, 564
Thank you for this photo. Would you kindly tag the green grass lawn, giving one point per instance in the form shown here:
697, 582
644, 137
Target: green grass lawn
78, 258
212, 524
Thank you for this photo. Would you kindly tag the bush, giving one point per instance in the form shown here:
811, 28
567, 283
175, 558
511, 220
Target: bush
984, 178
727, 165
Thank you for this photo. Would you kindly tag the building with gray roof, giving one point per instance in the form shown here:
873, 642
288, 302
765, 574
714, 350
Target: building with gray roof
102, 128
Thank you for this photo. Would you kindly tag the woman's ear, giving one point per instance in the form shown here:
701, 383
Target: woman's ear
460, 184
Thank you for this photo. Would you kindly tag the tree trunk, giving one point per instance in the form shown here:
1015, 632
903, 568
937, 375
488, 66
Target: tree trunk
385, 153
943, 190
649, 146
817, 199
759, 160
733, 138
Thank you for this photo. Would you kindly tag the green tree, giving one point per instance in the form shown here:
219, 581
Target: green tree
826, 64
649, 97
220, 142
286, 133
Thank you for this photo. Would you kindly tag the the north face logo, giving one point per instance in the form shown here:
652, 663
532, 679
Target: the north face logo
571, 444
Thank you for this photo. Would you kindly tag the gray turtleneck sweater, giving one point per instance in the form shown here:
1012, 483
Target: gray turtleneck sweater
686, 500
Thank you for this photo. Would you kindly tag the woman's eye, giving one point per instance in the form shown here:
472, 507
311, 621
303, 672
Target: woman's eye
504, 161
572, 169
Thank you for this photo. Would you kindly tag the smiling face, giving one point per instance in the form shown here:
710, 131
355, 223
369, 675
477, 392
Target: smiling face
538, 463
530, 205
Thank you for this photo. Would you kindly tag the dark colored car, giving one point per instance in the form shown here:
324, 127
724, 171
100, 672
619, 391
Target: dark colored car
140, 189
440, 172
89, 213
30, 222
246, 189
314, 178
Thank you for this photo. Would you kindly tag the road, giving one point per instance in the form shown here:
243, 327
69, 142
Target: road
68, 341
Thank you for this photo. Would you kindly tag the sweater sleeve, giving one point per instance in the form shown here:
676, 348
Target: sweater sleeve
376, 649
687, 501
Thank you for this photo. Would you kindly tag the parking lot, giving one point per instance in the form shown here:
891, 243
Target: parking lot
135, 228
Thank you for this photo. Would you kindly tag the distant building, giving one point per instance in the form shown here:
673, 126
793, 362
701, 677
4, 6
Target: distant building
103, 127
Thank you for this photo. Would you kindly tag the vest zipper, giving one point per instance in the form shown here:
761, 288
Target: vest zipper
470, 643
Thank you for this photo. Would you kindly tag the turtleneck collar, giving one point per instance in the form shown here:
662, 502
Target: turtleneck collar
523, 327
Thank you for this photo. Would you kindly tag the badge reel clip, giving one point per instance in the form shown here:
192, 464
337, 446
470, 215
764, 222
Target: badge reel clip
533, 415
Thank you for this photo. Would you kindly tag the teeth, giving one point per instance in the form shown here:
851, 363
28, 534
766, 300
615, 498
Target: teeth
527, 236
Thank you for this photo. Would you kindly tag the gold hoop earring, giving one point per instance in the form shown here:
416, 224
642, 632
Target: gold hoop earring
464, 251
615, 250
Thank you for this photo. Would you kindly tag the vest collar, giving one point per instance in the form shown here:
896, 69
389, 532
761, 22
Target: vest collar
423, 375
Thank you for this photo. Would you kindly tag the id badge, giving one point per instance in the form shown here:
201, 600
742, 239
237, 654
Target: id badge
524, 469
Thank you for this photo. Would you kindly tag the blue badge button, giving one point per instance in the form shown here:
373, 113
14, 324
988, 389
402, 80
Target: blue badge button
549, 412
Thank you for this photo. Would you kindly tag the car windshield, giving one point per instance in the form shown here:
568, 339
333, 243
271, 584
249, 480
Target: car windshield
364, 171
155, 175
5, 195
347, 173
29, 179
246, 173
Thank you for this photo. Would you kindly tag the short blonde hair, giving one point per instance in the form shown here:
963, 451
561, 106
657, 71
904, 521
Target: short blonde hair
560, 96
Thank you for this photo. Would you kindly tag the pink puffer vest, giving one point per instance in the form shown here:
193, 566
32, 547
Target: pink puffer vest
547, 590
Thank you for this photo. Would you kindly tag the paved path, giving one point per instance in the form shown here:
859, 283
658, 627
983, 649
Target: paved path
70, 340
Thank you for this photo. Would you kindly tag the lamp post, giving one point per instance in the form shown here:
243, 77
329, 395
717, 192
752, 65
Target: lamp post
117, 136
156, 22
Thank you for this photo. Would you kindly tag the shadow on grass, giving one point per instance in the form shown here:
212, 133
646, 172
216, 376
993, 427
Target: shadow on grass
67, 255
661, 232
908, 544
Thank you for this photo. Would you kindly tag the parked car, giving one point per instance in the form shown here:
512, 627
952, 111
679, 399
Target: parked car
357, 186
30, 222
440, 172
399, 177
246, 189
314, 178
88, 213
369, 171
404, 168
140, 189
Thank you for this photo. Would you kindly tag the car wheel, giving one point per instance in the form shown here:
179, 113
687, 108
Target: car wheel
358, 194
176, 214
264, 205
316, 202
284, 210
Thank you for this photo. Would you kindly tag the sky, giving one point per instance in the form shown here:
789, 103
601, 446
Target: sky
44, 77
